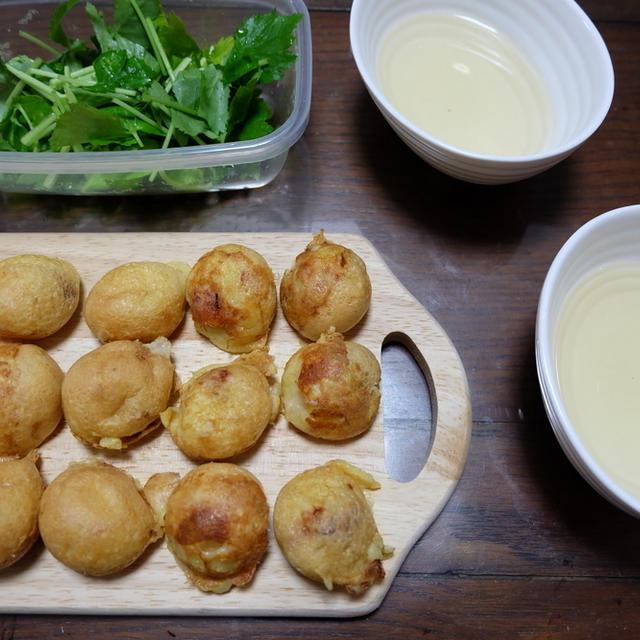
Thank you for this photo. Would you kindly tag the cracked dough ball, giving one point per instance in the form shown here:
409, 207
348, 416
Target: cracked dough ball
224, 409
330, 388
38, 296
328, 286
137, 301
21, 487
232, 295
113, 395
216, 526
95, 520
30, 404
326, 529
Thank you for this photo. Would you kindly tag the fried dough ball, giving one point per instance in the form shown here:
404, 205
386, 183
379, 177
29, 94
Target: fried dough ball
137, 301
216, 526
95, 520
30, 406
21, 487
326, 529
38, 296
328, 286
232, 295
224, 409
113, 395
330, 388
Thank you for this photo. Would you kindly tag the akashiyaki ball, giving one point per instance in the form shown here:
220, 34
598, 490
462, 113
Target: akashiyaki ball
216, 525
137, 301
327, 286
326, 529
21, 488
31, 407
232, 294
113, 395
95, 519
224, 409
330, 388
38, 296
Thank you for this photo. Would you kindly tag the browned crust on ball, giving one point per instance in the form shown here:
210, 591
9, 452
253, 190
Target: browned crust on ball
328, 286
216, 525
232, 295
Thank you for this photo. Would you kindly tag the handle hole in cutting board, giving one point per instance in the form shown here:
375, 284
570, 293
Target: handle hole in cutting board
409, 409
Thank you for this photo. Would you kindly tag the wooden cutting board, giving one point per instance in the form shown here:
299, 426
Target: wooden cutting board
154, 584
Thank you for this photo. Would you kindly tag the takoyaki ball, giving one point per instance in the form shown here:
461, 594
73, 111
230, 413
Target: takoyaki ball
330, 388
113, 395
326, 529
232, 295
328, 286
224, 409
137, 301
38, 296
21, 487
95, 520
216, 526
31, 408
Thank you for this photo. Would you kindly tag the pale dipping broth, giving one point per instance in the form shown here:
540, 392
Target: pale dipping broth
466, 84
598, 368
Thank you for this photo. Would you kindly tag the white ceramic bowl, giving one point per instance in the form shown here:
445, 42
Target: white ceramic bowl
556, 36
608, 238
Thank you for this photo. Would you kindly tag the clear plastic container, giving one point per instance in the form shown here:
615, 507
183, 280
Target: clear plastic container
214, 167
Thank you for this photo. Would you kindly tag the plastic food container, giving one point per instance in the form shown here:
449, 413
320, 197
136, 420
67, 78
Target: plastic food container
214, 167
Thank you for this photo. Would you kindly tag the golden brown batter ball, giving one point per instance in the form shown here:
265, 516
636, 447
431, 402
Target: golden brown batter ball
326, 529
95, 520
30, 405
38, 296
232, 295
330, 388
113, 395
20, 490
137, 301
216, 526
224, 409
328, 286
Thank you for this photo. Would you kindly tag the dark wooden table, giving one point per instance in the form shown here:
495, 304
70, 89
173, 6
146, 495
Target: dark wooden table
525, 548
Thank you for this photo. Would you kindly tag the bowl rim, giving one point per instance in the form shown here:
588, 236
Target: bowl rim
563, 427
560, 151
192, 157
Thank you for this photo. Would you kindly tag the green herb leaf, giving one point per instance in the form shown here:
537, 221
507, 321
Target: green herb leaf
56, 32
127, 23
262, 43
83, 124
142, 81
256, 124
175, 39
115, 69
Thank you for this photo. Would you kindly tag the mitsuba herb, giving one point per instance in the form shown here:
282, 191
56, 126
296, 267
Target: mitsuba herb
142, 83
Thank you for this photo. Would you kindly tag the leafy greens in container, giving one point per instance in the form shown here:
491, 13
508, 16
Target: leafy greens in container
142, 83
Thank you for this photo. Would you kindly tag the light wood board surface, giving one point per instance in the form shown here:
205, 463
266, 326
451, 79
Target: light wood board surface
155, 584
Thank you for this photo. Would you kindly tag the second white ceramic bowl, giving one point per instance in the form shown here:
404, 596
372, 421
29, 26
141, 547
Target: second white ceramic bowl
609, 238
556, 36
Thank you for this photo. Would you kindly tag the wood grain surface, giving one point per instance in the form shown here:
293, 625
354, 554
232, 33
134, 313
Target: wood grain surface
524, 549
403, 510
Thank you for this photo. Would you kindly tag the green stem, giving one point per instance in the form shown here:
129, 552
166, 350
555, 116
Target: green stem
40, 43
149, 29
138, 114
40, 130
172, 104
35, 84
